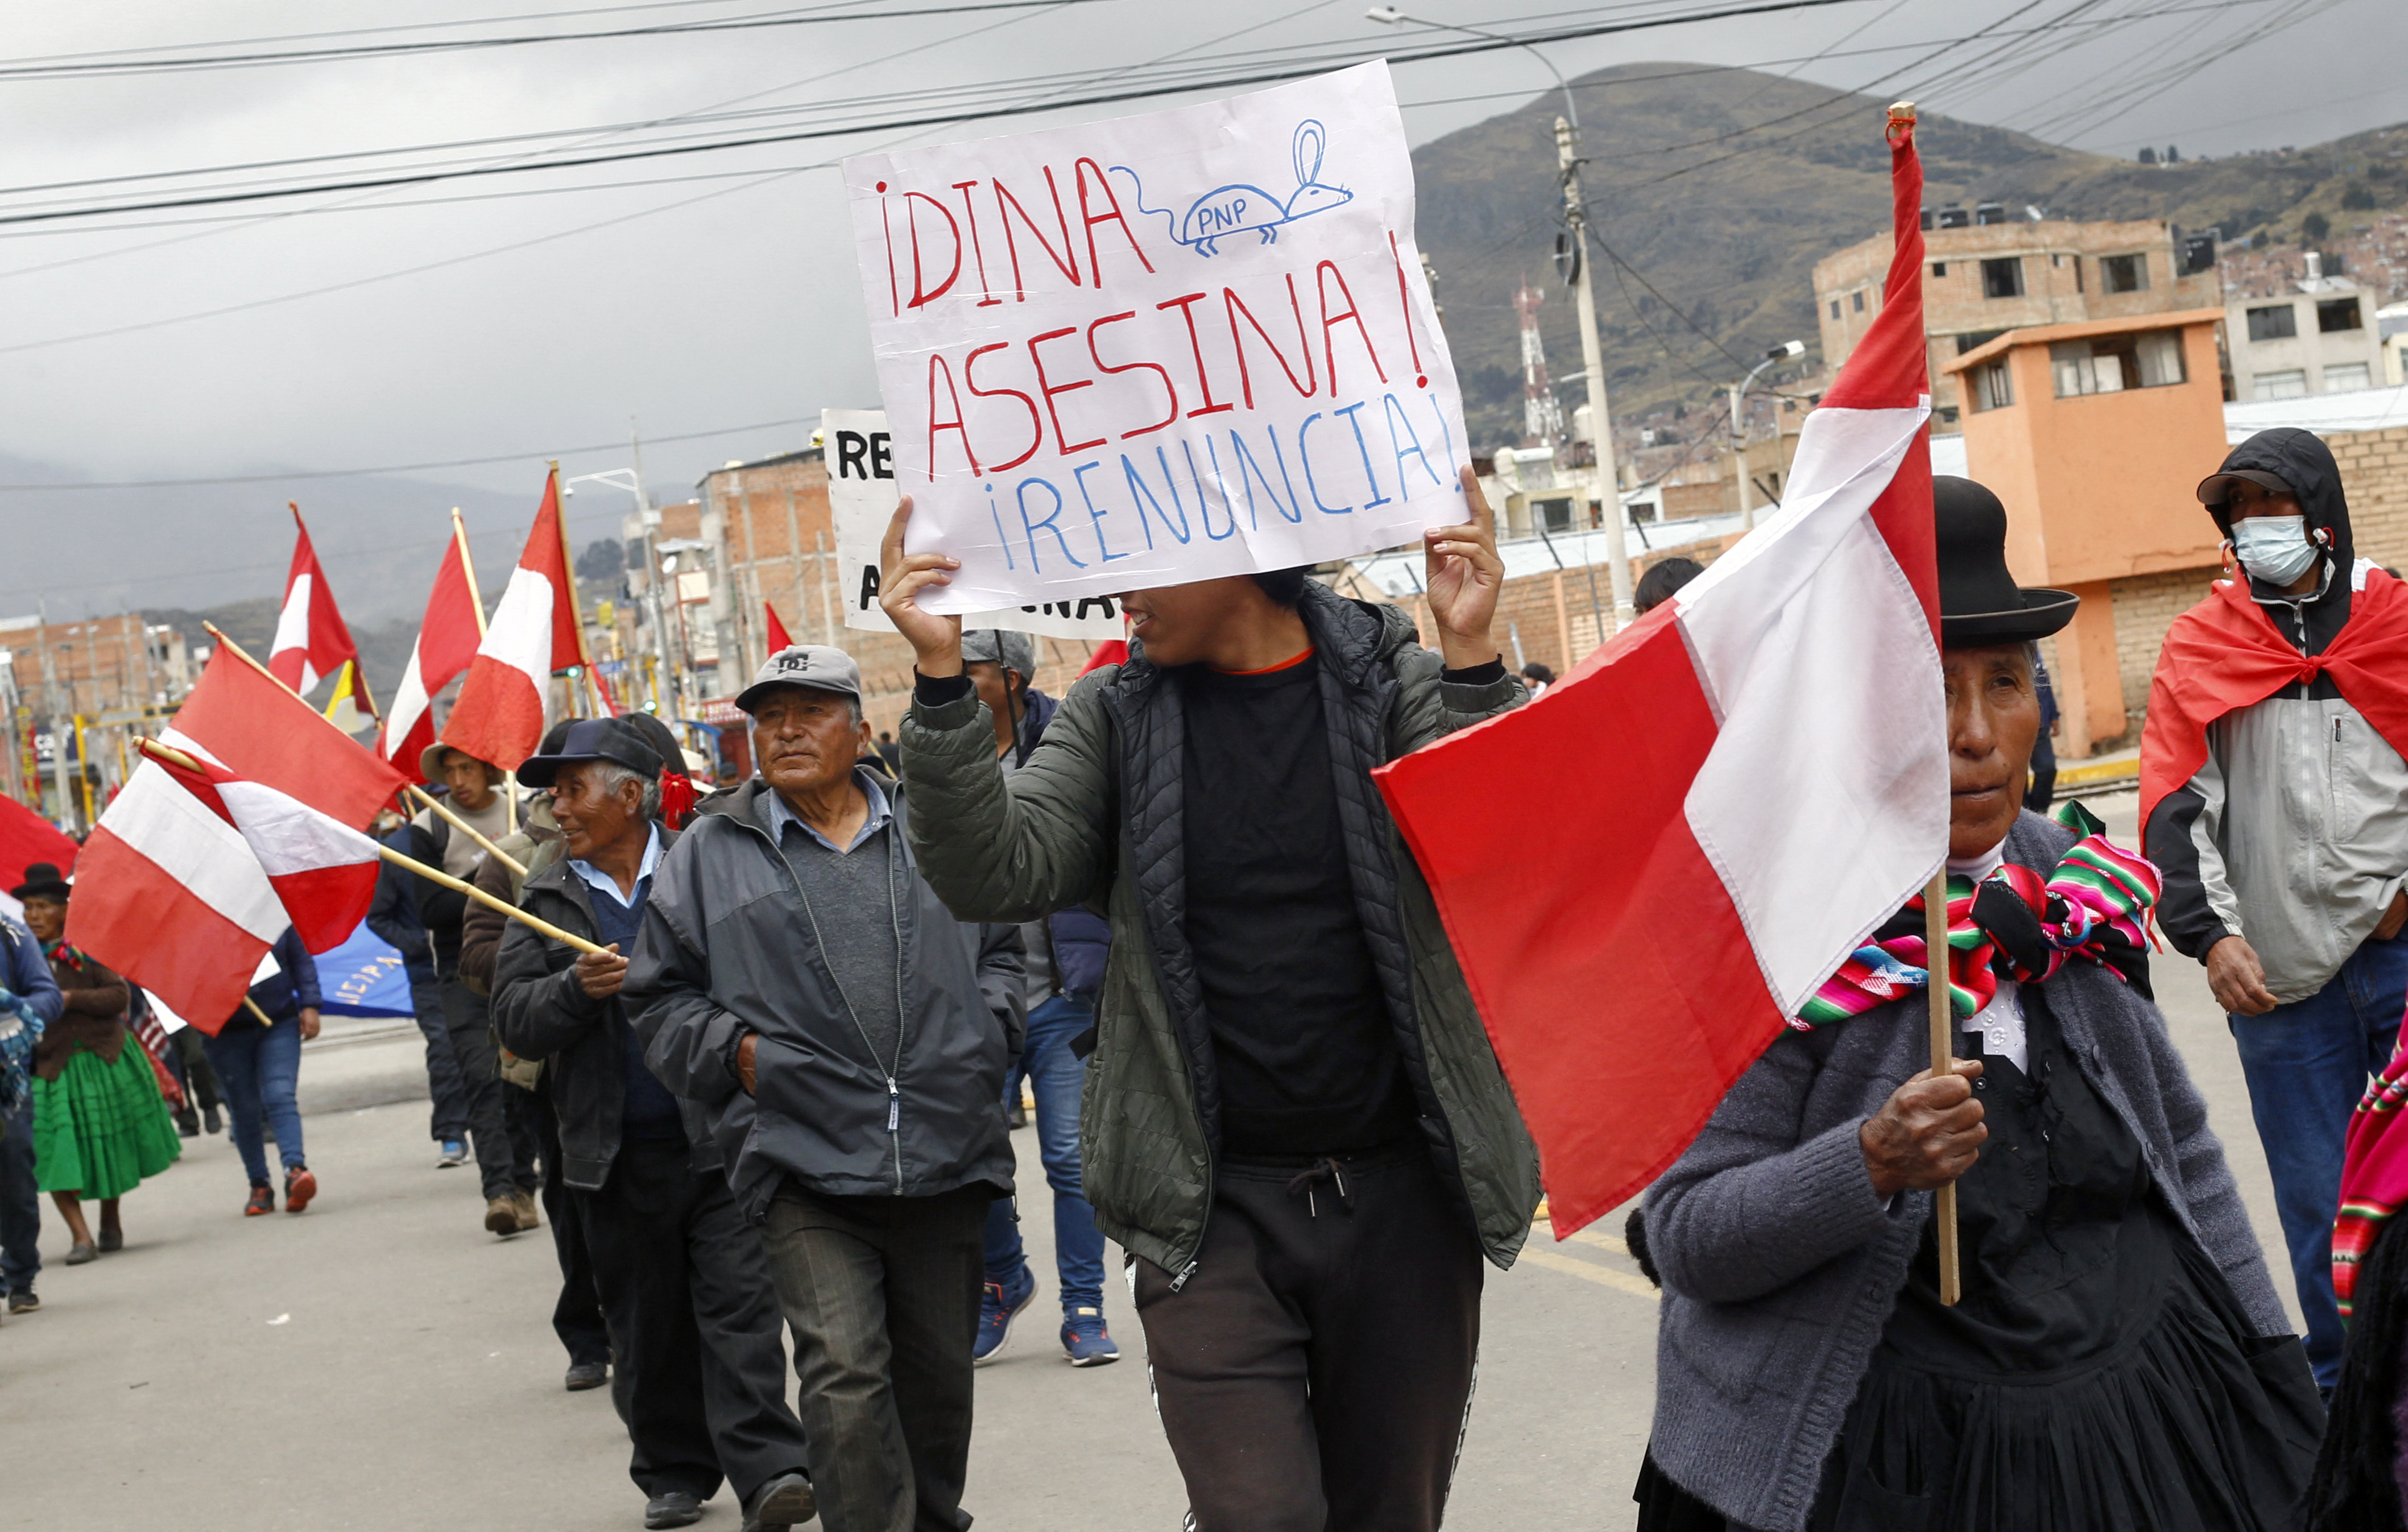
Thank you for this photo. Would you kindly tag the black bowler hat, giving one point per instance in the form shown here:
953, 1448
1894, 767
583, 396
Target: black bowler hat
42, 881
1980, 602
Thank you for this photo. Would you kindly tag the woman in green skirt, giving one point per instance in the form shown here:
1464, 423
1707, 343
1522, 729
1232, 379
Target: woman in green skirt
100, 1124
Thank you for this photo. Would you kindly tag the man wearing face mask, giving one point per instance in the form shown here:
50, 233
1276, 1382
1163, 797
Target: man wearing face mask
2274, 797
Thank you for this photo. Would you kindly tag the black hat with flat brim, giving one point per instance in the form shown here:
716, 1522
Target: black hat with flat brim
43, 881
612, 739
1980, 602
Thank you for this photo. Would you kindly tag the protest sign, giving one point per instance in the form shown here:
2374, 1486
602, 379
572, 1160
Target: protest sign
1162, 349
861, 501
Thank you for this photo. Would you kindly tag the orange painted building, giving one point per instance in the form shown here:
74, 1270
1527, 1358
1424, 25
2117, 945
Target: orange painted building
2094, 435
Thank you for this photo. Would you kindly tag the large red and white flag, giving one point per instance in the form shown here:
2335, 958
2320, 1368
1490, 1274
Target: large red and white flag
499, 718
311, 641
183, 888
1768, 784
448, 636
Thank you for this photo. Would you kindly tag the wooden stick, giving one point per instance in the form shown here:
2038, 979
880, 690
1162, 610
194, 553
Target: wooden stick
458, 824
488, 900
1935, 961
252, 1006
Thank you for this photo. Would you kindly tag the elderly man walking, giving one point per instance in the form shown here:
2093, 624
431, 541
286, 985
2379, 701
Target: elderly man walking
1294, 1123
2275, 798
798, 979
680, 1273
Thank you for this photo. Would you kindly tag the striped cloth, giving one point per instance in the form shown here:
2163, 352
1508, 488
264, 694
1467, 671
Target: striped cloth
2013, 924
2374, 1175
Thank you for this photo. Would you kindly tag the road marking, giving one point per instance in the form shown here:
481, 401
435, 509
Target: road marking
1604, 1276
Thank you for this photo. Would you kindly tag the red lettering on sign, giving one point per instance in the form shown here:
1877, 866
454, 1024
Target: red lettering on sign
1091, 218
978, 250
1320, 274
1065, 261
1053, 390
1404, 308
1036, 422
920, 291
1155, 367
1235, 306
936, 367
1195, 343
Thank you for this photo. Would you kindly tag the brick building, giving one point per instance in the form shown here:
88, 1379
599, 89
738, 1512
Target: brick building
1984, 278
97, 682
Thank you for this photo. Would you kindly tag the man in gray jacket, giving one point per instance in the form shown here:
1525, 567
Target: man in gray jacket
848, 1039
1293, 1122
2285, 849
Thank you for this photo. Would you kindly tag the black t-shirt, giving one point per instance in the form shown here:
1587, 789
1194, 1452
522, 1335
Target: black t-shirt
1302, 1037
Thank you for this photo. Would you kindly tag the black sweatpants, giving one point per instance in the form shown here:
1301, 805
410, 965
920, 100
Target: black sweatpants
700, 1374
882, 1294
502, 1133
576, 1316
1314, 1372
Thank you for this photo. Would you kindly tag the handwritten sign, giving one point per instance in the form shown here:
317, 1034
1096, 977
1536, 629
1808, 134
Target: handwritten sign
861, 500
1163, 349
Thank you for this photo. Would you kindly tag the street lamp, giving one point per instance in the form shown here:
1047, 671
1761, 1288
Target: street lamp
1781, 352
1568, 163
668, 687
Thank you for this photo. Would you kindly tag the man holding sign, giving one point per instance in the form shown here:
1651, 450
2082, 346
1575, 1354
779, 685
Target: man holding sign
1296, 1128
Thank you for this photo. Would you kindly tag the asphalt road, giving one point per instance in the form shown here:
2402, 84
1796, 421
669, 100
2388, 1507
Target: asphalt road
382, 1363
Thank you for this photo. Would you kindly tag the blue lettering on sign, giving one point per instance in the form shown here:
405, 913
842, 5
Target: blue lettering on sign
1311, 484
1396, 421
1250, 473
1096, 518
1002, 541
1141, 496
1228, 507
1351, 419
1048, 523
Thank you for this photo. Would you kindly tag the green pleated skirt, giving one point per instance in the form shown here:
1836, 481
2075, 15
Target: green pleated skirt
101, 1128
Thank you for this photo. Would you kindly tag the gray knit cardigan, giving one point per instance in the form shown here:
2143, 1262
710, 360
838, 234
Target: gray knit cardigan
1781, 1268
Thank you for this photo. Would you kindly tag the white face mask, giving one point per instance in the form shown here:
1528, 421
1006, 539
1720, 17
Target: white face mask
2276, 548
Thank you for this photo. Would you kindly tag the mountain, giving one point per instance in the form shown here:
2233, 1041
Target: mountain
1721, 188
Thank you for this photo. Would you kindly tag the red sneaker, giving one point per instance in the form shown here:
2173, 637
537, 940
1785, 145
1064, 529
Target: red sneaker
262, 1200
300, 1187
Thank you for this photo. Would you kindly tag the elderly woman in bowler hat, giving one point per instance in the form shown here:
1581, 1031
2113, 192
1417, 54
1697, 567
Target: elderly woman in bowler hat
2118, 1358
100, 1125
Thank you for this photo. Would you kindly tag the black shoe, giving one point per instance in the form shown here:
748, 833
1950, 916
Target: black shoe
188, 1123
675, 1507
24, 1301
585, 1375
211, 1120
784, 1501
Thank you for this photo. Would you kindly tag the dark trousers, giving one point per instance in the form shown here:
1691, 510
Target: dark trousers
504, 1136
188, 1056
448, 1115
577, 1316
21, 1202
1315, 1373
882, 1294
700, 1369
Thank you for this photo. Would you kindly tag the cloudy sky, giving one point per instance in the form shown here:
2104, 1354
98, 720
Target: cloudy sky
519, 316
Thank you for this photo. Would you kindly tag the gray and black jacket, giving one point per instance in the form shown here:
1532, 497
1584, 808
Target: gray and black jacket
1095, 818
540, 1011
2294, 834
729, 947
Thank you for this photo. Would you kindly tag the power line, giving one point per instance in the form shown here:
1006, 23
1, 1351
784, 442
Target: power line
1052, 103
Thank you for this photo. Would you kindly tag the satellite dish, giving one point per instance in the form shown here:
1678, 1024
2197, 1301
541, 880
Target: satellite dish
1568, 258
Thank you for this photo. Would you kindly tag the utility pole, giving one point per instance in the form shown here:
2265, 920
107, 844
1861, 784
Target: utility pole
1601, 417
665, 679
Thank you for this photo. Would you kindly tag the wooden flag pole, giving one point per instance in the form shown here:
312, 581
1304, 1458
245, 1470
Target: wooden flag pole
477, 605
436, 804
576, 602
1935, 963
252, 1006
171, 754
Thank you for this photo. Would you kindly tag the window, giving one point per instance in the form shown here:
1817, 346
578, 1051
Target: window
1940, 268
2112, 364
2347, 378
2123, 273
2291, 383
2273, 323
1973, 340
2077, 274
2335, 315
1992, 390
2003, 278
1856, 299
1556, 514
1835, 309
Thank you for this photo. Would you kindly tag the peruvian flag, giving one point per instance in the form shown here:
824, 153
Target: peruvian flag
193, 874
454, 624
499, 718
778, 636
311, 642
1770, 784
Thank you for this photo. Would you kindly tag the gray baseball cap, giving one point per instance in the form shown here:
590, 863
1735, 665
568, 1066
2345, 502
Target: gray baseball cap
1000, 646
815, 666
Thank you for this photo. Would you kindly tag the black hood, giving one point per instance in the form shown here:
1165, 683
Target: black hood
2302, 459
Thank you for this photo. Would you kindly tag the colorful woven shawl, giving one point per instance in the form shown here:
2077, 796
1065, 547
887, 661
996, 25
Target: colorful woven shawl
2374, 1174
2013, 924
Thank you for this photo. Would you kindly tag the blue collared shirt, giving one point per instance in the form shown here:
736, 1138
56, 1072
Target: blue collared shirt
603, 883
882, 814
